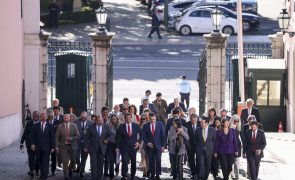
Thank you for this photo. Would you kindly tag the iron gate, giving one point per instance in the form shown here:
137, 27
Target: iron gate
251, 50
57, 47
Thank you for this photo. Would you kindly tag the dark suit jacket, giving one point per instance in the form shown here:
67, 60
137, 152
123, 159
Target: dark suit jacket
43, 140
246, 127
159, 139
170, 123
172, 106
150, 106
93, 141
57, 122
207, 146
249, 146
78, 123
244, 114
155, 20
123, 141
27, 133
191, 134
161, 109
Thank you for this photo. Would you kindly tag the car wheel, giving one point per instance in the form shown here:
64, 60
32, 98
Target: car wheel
246, 26
185, 30
228, 30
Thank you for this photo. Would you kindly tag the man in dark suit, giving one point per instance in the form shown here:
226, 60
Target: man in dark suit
154, 138
42, 140
254, 144
82, 124
57, 120
170, 121
191, 149
175, 104
250, 110
128, 139
161, 106
155, 24
146, 104
96, 141
28, 130
205, 139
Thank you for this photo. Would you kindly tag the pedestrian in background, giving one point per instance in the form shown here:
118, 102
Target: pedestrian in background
26, 137
226, 148
177, 135
235, 123
155, 24
254, 144
184, 90
53, 15
250, 110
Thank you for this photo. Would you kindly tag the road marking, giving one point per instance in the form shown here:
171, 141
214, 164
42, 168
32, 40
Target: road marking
158, 61
168, 68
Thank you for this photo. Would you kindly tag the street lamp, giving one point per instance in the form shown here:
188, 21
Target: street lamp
101, 17
216, 16
284, 21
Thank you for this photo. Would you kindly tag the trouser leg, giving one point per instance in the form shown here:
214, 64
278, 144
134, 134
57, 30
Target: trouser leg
65, 160
132, 155
151, 157
31, 158
93, 165
158, 162
158, 31
125, 160
191, 162
84, 156
53, 162
252, 165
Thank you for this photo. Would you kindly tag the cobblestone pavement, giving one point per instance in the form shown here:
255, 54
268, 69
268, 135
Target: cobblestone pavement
277, 164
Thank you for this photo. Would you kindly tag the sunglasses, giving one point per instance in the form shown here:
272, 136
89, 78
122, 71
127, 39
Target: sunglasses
143, 118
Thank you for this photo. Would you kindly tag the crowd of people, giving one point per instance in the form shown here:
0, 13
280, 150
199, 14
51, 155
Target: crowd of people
207, 143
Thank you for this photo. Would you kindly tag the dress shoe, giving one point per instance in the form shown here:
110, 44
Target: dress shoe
37, 173
81, 174
150, 37
158, 177
53, 173
132, 177
124, 178
31, 173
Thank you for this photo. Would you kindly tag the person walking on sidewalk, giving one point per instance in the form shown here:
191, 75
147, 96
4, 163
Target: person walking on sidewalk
67, 136
155, 24
185, 90
42, 140
254, 144
33, 165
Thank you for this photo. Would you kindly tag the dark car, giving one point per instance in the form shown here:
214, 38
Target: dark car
250, 21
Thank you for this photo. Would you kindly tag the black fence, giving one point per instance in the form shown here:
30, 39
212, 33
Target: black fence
251, 50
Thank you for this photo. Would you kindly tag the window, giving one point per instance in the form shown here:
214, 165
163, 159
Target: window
71, 70
195, 14
268, 93
206, 14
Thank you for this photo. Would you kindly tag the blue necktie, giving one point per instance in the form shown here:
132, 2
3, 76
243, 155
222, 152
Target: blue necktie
98, 130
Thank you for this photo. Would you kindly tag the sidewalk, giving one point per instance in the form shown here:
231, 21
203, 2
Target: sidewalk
278, 163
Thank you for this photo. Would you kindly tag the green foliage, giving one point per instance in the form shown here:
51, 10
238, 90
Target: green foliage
72, 17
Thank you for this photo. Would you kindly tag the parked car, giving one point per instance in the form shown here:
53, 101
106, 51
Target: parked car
250, 21
175, 6
248, 6
199, 21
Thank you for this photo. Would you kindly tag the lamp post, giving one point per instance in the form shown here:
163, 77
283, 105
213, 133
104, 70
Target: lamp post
216, 16
284, 22
101, 17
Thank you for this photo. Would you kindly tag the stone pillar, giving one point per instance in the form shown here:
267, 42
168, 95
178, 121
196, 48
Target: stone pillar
102, 42
77, 5
216, 69
277, 45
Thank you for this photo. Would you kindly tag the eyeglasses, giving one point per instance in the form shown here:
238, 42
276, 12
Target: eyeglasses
125, 109
236, 121
143, 118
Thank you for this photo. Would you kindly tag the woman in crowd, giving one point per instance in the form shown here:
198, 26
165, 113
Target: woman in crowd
235, 123
111, 148
116, 110
226, 147
133, 111
142, 149
215, 160
176, 147
72, 117
182, 114
211, 114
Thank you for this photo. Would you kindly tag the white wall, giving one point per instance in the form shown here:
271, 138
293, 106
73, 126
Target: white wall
10, 128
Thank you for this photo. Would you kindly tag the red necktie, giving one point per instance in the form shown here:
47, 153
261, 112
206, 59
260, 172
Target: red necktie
254, 136
153, 129
129, 130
